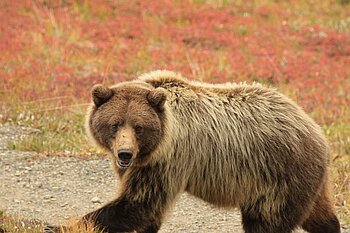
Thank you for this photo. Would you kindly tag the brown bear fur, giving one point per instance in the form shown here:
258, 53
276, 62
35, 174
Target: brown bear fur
232, 145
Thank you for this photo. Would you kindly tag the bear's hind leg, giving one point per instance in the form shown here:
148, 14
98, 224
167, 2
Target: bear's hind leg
322, 218
263, 217
259, 225
150, 229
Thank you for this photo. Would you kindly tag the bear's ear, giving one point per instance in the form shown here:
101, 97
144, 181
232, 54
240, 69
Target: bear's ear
101, 94
157, 97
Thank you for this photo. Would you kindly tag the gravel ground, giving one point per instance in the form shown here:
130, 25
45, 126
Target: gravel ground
55, 189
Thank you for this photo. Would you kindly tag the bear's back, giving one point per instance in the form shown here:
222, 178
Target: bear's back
251, 131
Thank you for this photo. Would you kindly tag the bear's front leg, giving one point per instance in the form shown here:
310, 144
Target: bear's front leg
146, 195
123, 215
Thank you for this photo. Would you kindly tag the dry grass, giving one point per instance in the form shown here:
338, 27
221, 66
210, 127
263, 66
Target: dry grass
13, 224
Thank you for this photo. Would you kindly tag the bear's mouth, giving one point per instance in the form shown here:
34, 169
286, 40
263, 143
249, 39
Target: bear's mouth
124, 163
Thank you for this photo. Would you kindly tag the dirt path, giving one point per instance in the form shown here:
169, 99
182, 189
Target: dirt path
54, 189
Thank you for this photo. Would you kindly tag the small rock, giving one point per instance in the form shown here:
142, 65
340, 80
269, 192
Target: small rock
96, 200
46, 197
64, 204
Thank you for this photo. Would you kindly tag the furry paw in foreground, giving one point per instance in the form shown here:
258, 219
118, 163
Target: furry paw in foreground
51, 229
73, 229
232, 145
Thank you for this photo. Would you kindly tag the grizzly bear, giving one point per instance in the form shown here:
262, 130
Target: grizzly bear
232, 145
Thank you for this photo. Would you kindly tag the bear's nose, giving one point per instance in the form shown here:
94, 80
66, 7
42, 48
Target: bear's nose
124, 154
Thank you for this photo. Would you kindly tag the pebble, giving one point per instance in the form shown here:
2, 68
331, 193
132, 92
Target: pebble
96, 200
47, 197
64, 204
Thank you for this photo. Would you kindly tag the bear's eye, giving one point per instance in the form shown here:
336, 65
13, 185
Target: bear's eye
115, 127
138, 129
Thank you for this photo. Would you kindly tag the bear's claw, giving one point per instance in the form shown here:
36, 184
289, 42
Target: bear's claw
52, 229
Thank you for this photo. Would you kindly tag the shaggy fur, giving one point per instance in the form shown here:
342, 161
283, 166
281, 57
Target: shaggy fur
232, 145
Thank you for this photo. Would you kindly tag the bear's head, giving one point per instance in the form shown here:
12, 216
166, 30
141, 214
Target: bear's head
128, 121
